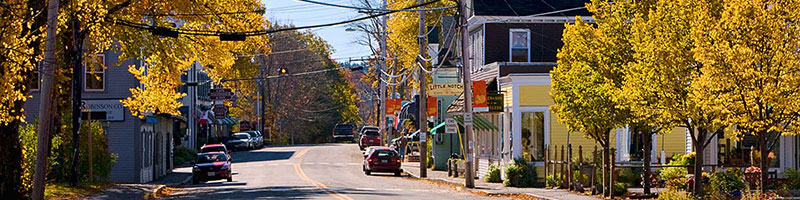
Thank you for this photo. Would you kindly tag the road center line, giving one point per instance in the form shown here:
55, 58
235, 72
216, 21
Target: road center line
299, 170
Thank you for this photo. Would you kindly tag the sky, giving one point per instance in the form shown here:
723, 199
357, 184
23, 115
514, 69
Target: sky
302, 14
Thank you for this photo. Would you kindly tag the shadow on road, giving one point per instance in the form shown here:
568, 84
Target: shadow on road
279, 192
255, 156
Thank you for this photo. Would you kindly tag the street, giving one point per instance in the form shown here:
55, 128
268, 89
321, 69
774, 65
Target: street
326, 171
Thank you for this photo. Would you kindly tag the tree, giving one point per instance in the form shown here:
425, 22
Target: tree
665, 83
750, 50
587, 87
21, 27
403, 29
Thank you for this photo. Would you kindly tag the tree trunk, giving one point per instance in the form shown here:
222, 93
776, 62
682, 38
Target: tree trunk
763, 164
11, 160
648, 146
606, 169
698, 162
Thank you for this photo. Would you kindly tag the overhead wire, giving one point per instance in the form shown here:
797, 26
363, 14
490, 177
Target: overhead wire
256, 32
374, 9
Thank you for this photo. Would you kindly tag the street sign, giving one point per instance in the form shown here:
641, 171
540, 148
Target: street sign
450, 126
220, 111
220, 94
467, 118
423, 136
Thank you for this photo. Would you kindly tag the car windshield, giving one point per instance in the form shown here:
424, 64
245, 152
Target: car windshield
209, 158
241, 136
371, 133
384, 153
343, 131
212, 149
252, 134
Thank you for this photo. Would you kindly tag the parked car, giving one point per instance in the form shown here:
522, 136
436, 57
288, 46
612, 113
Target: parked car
343, 132
369, 138
215, 148
368, 128
383, 159
256, 138
211, 166
240, 141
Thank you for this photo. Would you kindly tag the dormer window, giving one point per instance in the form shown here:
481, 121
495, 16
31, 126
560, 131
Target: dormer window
519, 45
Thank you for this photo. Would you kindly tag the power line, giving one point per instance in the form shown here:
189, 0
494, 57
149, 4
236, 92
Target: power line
259, 11
241, 35
374, 9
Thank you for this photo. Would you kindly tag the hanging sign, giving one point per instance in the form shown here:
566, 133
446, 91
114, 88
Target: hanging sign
445, 89
431, 103
495, 102
479, 103
389, 107
397, 105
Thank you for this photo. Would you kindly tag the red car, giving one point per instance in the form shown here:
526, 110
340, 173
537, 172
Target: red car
382, 159
369, 138
215, 148
211, 166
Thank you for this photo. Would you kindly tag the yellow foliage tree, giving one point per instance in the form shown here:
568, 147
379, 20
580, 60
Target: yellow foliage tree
403, 29
751, 56
118, 25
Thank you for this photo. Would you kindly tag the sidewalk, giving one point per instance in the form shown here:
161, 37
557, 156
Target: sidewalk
141, 190
412, 168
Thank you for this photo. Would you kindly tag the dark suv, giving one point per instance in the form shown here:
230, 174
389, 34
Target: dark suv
343, 132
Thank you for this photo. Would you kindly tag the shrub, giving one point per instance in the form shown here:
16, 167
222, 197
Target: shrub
493, 175
674, 194
626, 175
429, 149
580, 178
675, 177
553, 180
727, 182
183, 155
520, 174
793, 177
620, 189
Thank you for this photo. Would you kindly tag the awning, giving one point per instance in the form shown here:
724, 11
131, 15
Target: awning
437, 127
225, 121
479, 122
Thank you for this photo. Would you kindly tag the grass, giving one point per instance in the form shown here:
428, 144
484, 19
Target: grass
63, 191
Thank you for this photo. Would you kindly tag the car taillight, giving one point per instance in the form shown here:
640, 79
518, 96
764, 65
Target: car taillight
370, 160
398, 160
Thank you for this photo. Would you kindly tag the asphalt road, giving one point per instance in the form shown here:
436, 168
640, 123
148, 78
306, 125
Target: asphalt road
328, 171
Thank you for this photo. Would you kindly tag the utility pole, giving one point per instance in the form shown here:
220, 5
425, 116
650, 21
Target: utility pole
45, 104
76, 98
422, 120
192, 107
469, 174
382, 86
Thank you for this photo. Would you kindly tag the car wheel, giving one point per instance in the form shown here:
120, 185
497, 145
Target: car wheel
195, 181
398, 172
367, 172
230, 179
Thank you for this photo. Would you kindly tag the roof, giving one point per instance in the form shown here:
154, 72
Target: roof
213, 145
529, 7
212, 152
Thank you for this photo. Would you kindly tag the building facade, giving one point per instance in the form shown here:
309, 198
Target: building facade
143, 146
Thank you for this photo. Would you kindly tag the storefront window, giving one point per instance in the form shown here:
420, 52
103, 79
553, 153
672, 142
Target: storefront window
533, 136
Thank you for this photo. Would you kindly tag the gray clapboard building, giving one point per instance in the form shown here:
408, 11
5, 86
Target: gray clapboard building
144, 146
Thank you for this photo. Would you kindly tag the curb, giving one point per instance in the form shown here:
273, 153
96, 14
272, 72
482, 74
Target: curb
160, 188
150, 195
458, 185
